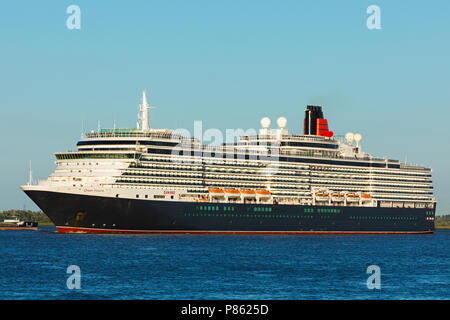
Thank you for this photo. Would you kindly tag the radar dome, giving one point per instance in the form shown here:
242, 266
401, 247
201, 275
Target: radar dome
281, 122
349, 137
265, 123
357, 137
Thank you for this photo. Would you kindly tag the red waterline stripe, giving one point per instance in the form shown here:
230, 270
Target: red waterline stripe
96, 230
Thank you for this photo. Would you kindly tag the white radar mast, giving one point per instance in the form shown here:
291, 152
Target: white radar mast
143, 116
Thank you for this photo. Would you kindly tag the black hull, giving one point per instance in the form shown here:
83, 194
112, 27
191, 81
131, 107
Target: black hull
81, 213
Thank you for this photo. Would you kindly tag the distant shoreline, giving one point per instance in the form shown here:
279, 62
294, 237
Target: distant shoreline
27, 215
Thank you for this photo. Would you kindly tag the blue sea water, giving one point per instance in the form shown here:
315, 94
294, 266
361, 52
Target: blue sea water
34, 266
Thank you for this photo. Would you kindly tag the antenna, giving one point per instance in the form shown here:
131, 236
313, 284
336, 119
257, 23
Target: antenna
309, 127
30, 177
144, 114
98, 126
82, 127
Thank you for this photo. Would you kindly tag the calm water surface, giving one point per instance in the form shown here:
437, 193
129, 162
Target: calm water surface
34, 263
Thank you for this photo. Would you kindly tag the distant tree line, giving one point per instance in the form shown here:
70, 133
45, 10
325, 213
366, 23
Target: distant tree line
26, 215
442, 221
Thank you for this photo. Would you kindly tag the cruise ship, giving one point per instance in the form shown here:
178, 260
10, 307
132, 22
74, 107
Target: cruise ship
146, 180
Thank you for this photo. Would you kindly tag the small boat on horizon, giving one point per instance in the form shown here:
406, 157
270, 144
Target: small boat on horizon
15, 224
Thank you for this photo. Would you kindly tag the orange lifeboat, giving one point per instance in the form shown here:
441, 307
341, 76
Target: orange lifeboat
263, 192
248, 194
216, 191
232, 193
366, 196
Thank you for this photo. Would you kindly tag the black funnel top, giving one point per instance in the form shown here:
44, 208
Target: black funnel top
312, 113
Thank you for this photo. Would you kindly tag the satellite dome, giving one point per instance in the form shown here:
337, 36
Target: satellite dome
281, 122
349, 137
357, 137
265, 123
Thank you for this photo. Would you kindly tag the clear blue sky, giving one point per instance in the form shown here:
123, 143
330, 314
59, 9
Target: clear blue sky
228, 63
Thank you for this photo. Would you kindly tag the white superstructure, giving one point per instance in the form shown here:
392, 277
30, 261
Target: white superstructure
274, 165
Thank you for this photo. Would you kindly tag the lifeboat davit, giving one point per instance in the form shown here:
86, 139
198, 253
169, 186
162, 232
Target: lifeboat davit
352, 197
337, 197
322, 196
